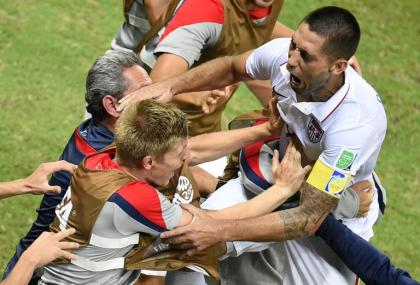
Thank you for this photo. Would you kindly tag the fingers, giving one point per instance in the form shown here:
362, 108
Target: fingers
63, 234
307, 169
52, 190
174, 236
125, 102
364, 186
273, 106
67, 255
190, 208
275, 161
353, 62
68, 245
62, 165
216, 93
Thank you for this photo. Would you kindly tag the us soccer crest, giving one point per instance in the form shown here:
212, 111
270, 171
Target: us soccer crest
314, 130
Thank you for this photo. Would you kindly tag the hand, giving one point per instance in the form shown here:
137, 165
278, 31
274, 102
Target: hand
202, 232
217, 97
289, 174
276, 122
366, 191
37, 182
355, 64
158, 91
49, 246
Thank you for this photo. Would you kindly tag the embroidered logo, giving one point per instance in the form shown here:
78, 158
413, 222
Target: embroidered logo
315, 132
346, 159
184, 191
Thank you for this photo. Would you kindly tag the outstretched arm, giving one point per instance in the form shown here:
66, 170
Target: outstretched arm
211, 146
302, 221
372, 266
37, 182
212, 75
288, 177
46, 248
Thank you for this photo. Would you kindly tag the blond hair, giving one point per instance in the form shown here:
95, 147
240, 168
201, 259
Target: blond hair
148, 127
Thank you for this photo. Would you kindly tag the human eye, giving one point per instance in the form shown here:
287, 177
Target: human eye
305, 56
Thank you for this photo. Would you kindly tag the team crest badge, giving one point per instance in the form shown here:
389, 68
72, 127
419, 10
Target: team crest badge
184, 191
315, 132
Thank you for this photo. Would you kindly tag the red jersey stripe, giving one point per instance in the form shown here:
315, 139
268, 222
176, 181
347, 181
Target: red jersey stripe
339, 103
144, 198
194, 12
82, 145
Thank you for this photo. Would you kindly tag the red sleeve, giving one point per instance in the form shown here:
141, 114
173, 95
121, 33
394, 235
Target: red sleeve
141, 201
193, 12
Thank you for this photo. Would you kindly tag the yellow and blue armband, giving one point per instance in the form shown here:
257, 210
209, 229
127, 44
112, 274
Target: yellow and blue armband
329, 179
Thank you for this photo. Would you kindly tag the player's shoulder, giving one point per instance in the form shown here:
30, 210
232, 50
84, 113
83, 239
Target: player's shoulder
193, 11
277, 45
274, 50
363, 98
138, 194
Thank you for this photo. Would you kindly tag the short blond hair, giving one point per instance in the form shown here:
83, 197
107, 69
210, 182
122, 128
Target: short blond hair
148, 127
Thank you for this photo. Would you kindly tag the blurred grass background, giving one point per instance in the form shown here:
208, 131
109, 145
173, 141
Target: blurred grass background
47, 47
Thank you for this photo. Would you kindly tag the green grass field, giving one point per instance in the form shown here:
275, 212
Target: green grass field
46, 48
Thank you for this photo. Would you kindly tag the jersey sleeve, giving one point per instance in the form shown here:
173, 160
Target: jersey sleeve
195, 26
264, 62
145, 209
372, 266
350, 150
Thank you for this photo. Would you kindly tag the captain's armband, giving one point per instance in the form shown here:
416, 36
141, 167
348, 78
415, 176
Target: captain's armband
329, 179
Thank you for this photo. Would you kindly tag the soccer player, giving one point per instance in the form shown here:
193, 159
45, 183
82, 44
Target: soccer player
116, 209
336, 116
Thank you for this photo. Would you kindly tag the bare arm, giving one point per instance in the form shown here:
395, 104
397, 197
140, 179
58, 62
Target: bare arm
288, 177
37, 182
281, 31
212, 75
302, 221
211, 146
289, 224
46, 248
262, 89
169, 65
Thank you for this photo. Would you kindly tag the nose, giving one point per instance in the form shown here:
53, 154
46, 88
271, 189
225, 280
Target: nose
293, 58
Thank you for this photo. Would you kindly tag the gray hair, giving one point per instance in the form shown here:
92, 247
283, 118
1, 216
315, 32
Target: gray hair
106, 78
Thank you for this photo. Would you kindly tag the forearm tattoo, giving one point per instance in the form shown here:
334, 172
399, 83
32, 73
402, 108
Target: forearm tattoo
305, 219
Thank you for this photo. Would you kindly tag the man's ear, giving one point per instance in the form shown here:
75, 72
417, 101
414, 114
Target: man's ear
339, 66
146, 162
110, 104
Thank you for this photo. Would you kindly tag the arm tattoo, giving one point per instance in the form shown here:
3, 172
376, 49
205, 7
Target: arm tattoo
305, 219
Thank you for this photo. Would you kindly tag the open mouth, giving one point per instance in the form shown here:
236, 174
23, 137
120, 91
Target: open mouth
294, 81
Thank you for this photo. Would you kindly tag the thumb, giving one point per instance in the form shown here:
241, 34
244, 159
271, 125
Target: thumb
53, 189
307, 169
190, 208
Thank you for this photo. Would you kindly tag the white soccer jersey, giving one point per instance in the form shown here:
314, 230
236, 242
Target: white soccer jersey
352, 123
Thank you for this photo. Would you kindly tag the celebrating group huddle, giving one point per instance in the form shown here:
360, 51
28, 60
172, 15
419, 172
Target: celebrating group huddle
303, 197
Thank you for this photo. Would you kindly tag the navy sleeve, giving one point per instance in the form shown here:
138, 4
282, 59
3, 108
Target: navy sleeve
372, 266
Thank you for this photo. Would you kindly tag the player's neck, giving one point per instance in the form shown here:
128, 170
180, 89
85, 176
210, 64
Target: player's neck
134, 172
109, 123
